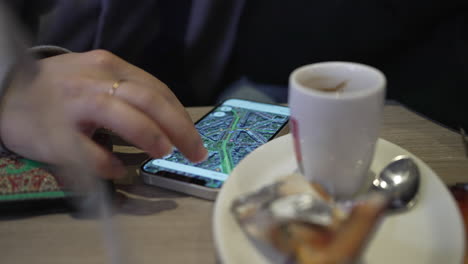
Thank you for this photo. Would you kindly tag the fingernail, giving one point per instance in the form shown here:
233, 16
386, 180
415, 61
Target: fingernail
167, 153
202, 154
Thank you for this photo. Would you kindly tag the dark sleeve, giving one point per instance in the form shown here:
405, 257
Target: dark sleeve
29, 12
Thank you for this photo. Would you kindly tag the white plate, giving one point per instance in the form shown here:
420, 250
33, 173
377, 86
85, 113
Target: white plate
431, 232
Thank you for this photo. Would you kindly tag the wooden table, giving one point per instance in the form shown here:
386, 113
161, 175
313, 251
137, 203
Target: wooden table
160, 226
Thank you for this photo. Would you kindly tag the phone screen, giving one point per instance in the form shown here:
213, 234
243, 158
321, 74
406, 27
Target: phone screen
229, 132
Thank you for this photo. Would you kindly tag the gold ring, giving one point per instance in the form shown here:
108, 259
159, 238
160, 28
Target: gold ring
114, 87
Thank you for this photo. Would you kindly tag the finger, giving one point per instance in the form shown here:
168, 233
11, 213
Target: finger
154, 98
155, 85
126, 121
104, 163
122, 70
171, 119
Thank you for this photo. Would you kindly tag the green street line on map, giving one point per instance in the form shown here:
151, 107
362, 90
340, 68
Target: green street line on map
264, 131
226, 164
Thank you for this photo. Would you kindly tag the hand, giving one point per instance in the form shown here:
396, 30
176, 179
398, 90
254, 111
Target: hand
75, 91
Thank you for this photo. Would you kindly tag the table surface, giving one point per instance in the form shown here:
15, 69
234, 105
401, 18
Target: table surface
159, 226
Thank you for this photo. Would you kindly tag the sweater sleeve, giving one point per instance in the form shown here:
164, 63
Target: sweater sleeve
13, 39
45, 51
38, 52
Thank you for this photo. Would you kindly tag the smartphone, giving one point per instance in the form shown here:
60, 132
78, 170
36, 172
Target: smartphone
230, 131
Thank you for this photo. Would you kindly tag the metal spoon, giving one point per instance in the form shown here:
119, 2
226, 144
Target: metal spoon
400, 180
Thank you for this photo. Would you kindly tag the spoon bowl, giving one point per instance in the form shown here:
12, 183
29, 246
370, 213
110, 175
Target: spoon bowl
399, 180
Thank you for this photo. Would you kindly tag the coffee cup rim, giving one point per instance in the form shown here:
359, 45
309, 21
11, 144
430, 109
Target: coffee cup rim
380, 85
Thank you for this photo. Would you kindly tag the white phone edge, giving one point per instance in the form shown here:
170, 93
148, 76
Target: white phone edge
182, 187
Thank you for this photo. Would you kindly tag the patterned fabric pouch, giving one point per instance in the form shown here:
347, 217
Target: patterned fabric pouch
23, 179
28, 187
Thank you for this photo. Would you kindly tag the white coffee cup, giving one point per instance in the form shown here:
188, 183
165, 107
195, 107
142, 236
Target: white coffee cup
335, 131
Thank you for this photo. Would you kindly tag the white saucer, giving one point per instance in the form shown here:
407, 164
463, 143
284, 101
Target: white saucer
431, 232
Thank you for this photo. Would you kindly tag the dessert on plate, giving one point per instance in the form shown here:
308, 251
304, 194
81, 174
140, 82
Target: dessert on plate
303, 222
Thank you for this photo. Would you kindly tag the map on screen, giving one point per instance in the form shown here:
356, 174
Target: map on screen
229, 134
